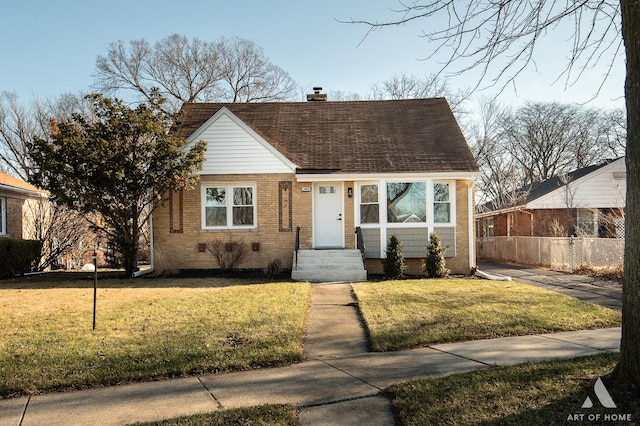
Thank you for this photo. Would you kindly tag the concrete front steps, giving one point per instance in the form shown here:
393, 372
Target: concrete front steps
329, 266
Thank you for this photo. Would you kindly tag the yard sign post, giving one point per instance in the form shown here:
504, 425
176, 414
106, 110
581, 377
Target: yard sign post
95, 285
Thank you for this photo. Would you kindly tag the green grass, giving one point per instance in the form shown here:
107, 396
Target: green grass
526, 394
414, 313
157, 329
272, 415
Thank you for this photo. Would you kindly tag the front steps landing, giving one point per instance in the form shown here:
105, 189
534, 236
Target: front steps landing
333, 265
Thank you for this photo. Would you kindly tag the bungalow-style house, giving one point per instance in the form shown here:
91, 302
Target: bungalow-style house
587, 202
17, 198
293, 181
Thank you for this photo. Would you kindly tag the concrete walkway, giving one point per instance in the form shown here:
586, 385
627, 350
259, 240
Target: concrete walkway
340, 383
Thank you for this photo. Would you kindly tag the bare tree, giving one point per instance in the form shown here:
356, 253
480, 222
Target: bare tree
501, 178
60, 229
405, 86
339, 95
547, 139
249, 76
613, 133
17, 124
230, 70
515, 149
499, 38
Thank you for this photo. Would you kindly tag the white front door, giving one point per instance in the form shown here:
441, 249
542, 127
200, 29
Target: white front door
328, 215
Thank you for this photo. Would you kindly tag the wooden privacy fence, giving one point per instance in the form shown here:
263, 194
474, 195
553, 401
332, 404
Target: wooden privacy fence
560, 254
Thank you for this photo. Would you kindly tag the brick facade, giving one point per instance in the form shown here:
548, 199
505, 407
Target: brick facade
180, 247
14, 217
19, 216
179, 237
548, 223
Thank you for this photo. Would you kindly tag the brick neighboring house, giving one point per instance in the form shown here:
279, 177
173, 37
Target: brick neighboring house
16, 197
586, 202
387, 167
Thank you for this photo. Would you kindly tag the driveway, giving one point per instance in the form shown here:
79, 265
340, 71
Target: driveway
589, 289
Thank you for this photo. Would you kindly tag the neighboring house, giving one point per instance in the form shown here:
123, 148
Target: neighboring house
387, 167
17, 202
587, 202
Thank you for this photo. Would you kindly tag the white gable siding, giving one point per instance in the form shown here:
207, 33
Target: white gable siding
603, 188
234, 149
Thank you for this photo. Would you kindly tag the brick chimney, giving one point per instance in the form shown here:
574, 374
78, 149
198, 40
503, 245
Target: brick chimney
316, 95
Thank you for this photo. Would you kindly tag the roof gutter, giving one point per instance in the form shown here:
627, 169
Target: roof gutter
500, 211
22, 191
411, 176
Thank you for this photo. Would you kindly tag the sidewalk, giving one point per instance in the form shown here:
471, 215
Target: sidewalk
340, 383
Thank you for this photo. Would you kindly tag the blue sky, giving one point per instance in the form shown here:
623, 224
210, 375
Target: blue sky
49, 47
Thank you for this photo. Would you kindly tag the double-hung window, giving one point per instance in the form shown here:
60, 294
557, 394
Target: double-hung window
441, 203
229, 206
369, 204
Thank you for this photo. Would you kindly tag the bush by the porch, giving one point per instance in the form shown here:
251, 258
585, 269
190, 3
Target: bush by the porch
393, 263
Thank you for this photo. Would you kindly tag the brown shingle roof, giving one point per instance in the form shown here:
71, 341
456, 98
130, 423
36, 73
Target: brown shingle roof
15, 183
399, 136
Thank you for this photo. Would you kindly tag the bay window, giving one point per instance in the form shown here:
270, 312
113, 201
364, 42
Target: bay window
424, 203
410, 210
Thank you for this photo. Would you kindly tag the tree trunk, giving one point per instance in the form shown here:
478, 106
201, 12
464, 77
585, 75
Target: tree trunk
130, 263
629, 366
131, 250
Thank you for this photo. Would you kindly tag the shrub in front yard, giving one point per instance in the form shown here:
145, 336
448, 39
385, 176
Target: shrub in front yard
434, 264
610, 273
393, 263
18, 256
228, 255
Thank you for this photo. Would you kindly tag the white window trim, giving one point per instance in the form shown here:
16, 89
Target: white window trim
229, 206
452, 202
357, 204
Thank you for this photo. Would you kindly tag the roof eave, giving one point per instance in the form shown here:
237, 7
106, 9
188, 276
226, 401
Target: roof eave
21, 191
318, 177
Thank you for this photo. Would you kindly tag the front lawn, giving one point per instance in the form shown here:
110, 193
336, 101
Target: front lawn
271, 415
545, 393
158, 329
413, 313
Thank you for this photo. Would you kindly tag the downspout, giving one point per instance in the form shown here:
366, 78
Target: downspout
472, 237
152, 268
